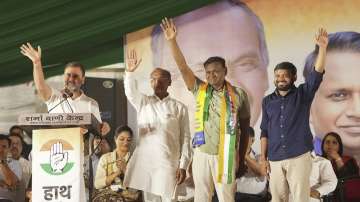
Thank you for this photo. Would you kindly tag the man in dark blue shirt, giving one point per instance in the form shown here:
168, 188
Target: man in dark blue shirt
286, 139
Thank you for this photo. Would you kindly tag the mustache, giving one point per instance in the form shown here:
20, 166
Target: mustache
72, 86
283, 81
69, 83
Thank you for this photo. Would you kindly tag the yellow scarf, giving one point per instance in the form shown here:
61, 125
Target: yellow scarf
227, 144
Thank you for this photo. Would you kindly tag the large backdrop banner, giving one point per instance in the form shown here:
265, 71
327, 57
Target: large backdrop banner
253, 36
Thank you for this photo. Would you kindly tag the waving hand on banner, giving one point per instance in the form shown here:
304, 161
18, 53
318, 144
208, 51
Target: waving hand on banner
58, 158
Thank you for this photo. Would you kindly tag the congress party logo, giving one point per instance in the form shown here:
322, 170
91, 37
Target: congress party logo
55, 157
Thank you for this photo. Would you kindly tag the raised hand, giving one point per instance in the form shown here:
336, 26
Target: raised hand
58, 158
168, 28
132, 61
28, 51
169, 31
43, 89
321, 38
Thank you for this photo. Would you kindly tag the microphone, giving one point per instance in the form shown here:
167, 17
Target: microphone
66, 93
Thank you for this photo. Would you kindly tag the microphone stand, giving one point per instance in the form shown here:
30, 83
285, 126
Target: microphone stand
91, 175
67, 101
63, 100
65, 96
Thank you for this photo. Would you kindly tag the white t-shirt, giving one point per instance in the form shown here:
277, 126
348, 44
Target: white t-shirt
250, 183
81, 104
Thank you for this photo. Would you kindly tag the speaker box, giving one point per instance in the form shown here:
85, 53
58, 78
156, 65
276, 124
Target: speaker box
110, 95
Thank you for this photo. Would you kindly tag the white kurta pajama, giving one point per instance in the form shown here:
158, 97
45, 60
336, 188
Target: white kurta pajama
163, 145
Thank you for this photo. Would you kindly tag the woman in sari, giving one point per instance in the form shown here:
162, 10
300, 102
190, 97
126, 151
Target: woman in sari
111, 169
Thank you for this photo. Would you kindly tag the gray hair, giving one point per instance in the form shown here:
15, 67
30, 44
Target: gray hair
157, 42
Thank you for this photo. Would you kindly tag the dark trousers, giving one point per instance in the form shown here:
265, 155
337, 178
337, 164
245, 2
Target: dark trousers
5, 200
242, 197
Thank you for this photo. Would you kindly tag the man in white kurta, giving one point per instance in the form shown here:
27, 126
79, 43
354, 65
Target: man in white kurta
162, 153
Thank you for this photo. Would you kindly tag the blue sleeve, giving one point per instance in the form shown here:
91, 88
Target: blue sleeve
312, 83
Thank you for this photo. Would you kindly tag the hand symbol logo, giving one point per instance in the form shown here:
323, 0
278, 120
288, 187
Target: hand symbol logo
58, 158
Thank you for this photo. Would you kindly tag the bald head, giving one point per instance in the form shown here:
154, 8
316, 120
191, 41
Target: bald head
164, 73
160, 81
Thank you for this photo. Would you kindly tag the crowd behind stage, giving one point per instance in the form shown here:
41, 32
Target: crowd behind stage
328, 173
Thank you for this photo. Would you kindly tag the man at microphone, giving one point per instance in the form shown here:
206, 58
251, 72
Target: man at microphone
69, 100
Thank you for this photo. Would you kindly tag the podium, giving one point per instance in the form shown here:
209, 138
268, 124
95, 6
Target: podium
57, 154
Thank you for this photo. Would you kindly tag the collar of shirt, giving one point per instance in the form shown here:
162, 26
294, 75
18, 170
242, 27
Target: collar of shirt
81, 97
313, 154
221, 90
162, 100
291, 90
